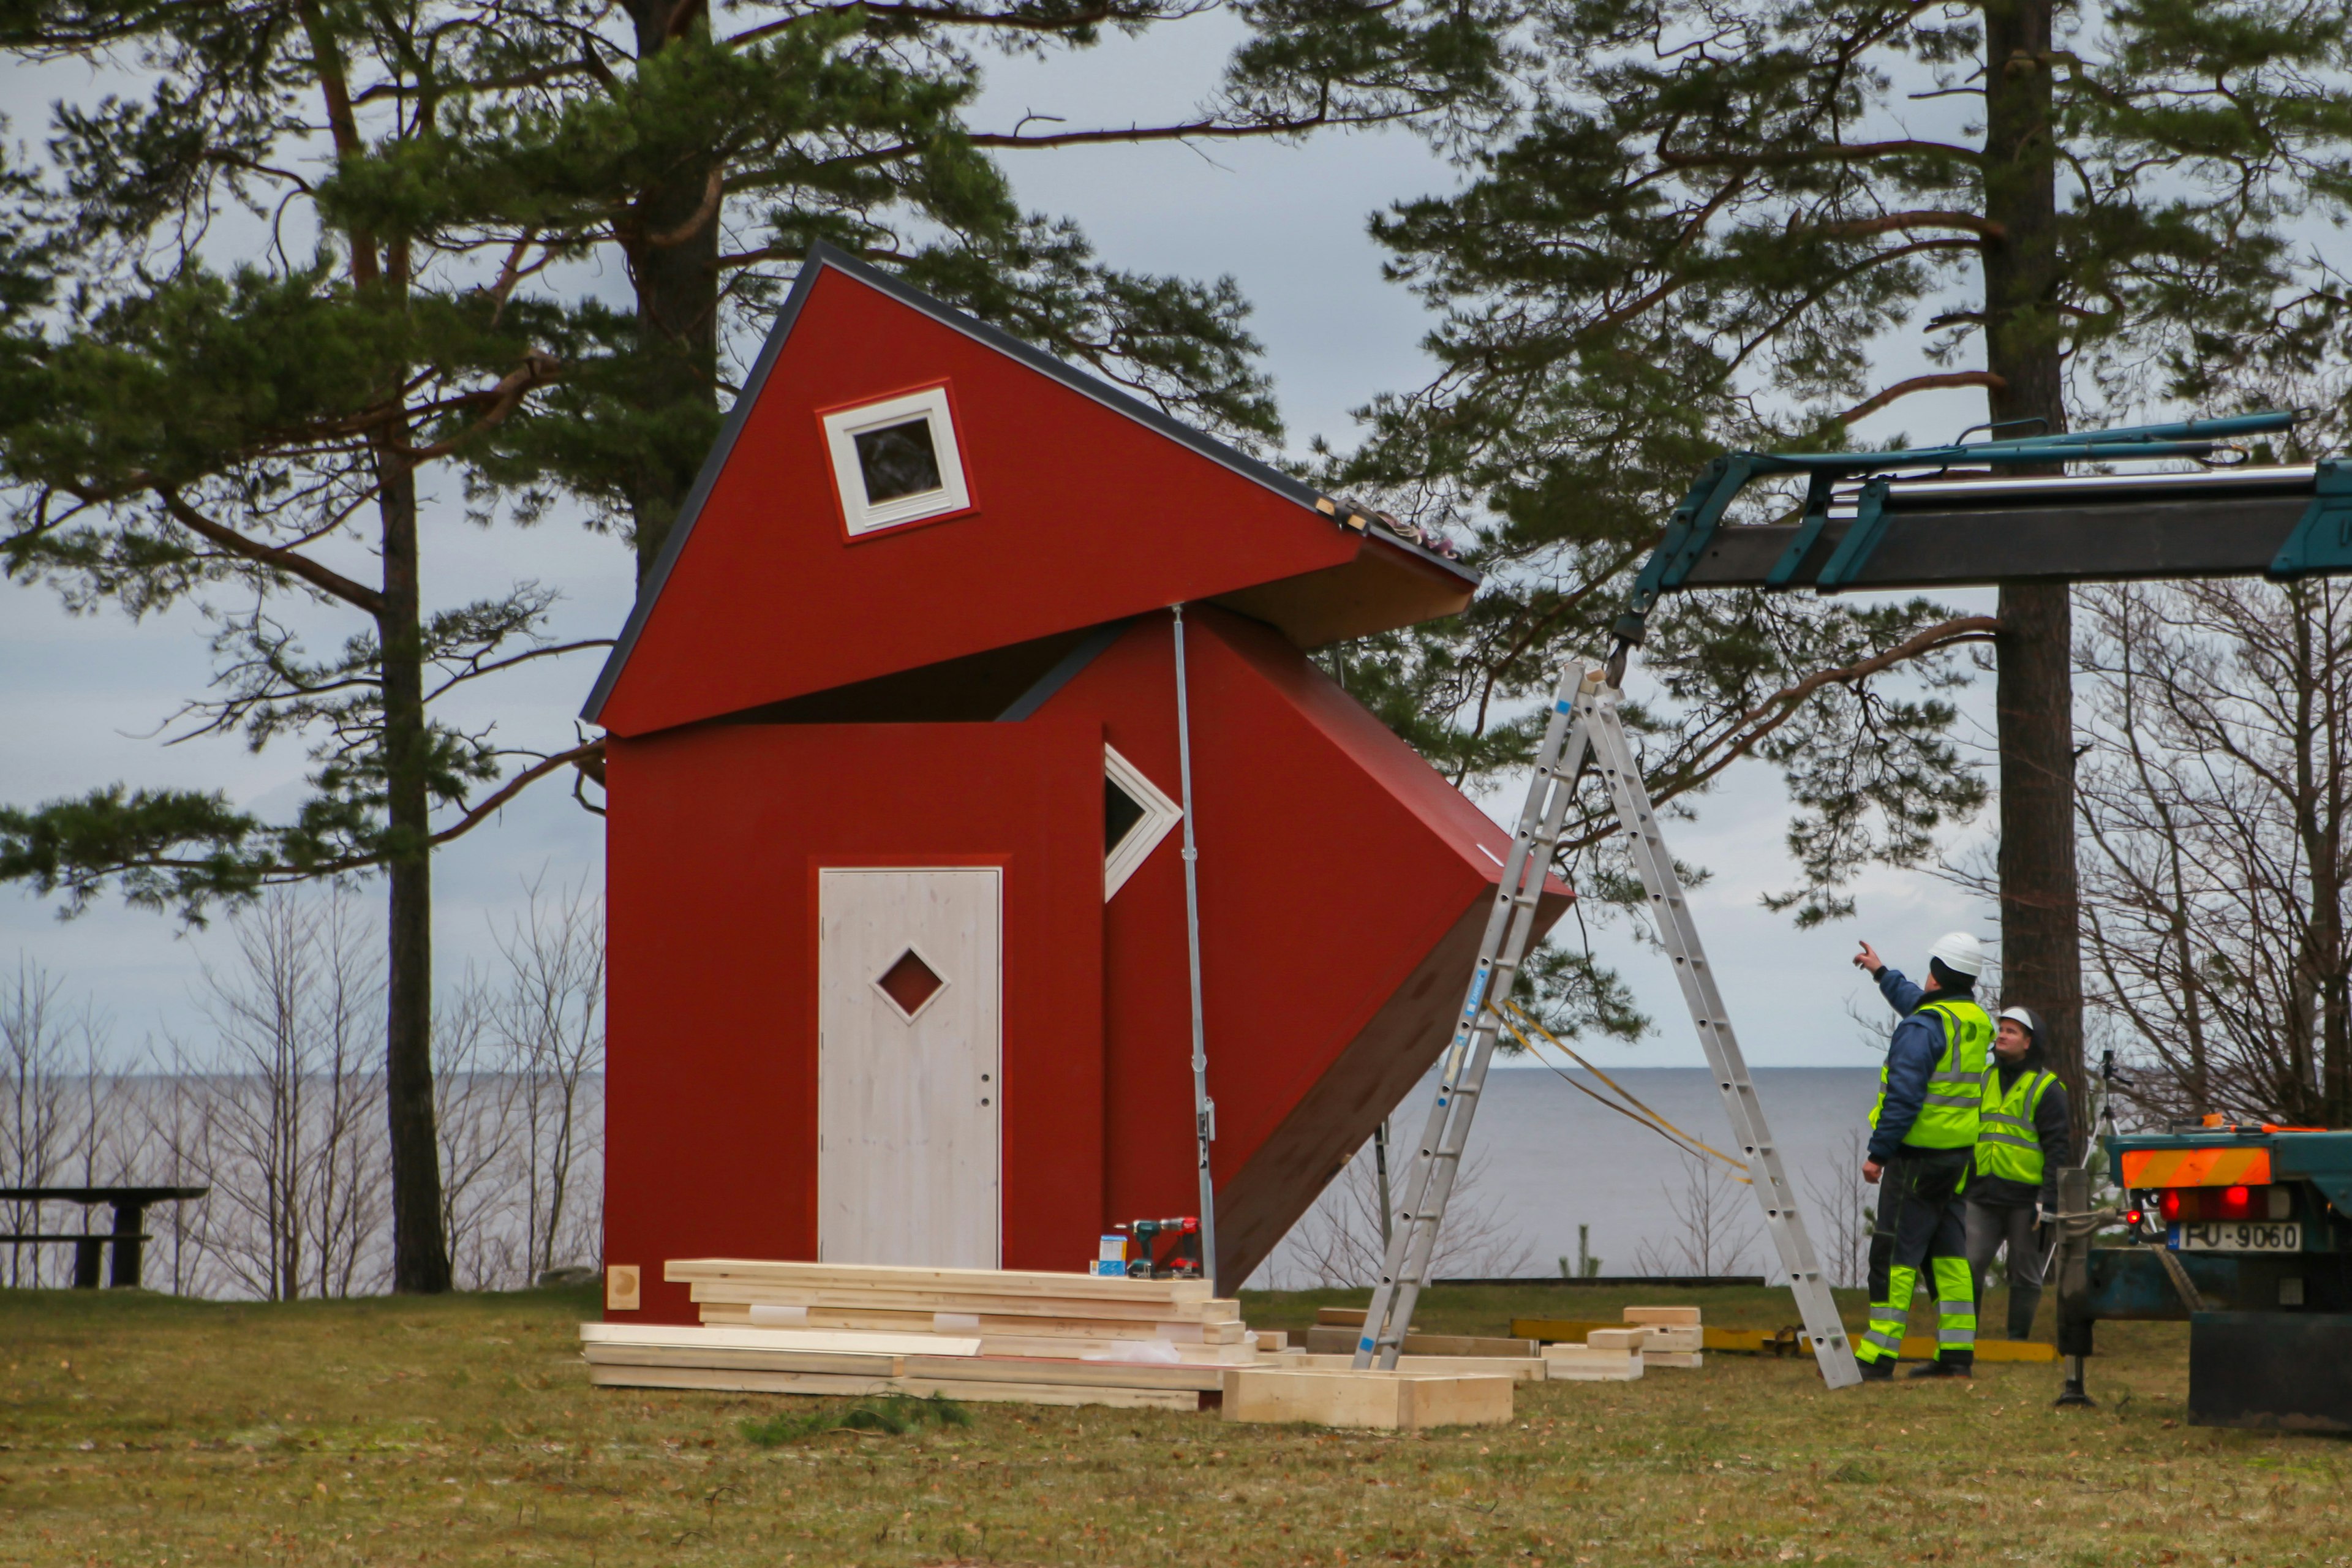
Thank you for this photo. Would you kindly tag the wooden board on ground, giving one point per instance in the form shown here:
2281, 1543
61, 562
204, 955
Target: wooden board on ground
1520, 1369
1686, 1360
1563, 1330
1132, 1346
1070, 1374
1693, 1338
1662, 1317
1326, 1339
927, 1302
937, 1281
1987, 1350
1918, 1347
1582, 1364
1615, 1339
843, 1340
812, 1361
930, 1321
738, 1381
1378, 1401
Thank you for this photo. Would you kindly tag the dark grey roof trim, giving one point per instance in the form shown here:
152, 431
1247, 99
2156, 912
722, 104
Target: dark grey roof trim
1064, 671
1380, 535
820, 257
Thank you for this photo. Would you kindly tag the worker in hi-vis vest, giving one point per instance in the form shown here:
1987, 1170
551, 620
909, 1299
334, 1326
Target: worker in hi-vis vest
2021, 1135
1923, 1139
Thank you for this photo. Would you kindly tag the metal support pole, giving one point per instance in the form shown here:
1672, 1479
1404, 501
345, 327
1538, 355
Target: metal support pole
1204, 1110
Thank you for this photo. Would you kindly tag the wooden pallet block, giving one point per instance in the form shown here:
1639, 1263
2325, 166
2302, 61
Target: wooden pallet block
1326, 1339
892, 1277
1520, 1369
1692, 1338
740, 1381
1584, 1364
1616, 1339
1378, 1401
1662, 1317
1690, 1359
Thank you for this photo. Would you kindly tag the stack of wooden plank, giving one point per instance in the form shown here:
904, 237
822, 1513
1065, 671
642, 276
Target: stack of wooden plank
1652, 1337
981, 1335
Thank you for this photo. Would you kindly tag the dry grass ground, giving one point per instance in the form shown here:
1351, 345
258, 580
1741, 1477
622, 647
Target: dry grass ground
136, 1429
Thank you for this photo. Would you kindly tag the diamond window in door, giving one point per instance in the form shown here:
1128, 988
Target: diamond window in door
909, 983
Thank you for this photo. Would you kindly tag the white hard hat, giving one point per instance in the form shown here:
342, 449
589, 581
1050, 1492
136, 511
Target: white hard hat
1960, 951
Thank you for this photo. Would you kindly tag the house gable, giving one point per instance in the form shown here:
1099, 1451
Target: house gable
1080, 505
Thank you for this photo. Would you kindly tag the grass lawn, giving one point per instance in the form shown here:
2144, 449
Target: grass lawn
141, 1429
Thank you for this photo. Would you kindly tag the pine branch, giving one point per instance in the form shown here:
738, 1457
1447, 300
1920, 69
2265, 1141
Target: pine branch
1743, 735
358, 595
1903, 389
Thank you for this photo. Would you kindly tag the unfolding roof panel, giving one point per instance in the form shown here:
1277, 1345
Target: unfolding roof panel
1082, 506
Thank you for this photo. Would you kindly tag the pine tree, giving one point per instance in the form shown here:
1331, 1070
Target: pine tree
710, 158
1723, 216
402, 188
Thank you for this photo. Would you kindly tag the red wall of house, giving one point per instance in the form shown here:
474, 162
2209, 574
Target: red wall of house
713, 844
1332, 860
1082, 515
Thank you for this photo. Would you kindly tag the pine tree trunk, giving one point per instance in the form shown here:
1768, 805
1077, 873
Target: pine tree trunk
420, 1251
2041, 941
674, 264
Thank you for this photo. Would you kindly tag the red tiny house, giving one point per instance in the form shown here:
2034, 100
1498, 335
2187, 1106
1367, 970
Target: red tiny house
840, 683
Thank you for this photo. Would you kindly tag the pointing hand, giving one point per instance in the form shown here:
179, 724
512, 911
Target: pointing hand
1868, 959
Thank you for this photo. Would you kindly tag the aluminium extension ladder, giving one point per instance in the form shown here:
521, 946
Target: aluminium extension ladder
1584, 725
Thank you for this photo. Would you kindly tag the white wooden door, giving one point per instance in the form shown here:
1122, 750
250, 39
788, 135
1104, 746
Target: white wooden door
910, 1066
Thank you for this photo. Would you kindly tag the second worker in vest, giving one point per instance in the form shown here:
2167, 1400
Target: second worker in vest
1923, 1142
2021, 1144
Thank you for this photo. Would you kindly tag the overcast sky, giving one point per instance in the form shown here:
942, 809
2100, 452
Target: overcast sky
81, 699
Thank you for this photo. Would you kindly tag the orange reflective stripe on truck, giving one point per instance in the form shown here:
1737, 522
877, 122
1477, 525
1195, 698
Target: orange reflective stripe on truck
2195, 1167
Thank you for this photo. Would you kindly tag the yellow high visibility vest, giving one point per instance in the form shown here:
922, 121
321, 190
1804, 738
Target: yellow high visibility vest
1949, 1116
2006, 1144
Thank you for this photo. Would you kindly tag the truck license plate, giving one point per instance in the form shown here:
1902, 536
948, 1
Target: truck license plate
2238, 1236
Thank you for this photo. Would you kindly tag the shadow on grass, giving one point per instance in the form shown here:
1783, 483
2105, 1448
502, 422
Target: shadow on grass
892, 1413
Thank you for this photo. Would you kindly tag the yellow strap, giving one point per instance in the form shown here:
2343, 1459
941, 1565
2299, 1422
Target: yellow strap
1648, 1118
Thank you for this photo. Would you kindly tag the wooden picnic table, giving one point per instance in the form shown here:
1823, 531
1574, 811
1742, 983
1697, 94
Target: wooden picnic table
130, 1205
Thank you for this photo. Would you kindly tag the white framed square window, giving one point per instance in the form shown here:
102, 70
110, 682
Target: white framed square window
895, 461
1135, 817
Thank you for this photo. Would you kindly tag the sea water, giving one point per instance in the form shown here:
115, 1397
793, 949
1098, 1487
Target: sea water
1547, 1159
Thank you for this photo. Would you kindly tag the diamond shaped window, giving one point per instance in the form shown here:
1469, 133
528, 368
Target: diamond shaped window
909, 983
898, 460
1136, 814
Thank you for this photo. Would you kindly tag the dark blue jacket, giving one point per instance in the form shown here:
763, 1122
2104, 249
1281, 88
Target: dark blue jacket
1911, 1057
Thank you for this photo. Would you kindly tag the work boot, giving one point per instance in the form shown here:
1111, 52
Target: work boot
1940, 1368
1877, 1372
2024, 1301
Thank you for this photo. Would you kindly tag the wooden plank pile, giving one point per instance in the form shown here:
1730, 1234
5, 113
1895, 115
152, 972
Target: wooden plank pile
1652, 1337
1033, 1338
969, 1334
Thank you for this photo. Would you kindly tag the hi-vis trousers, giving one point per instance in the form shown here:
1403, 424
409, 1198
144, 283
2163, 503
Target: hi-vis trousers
1921, 1224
